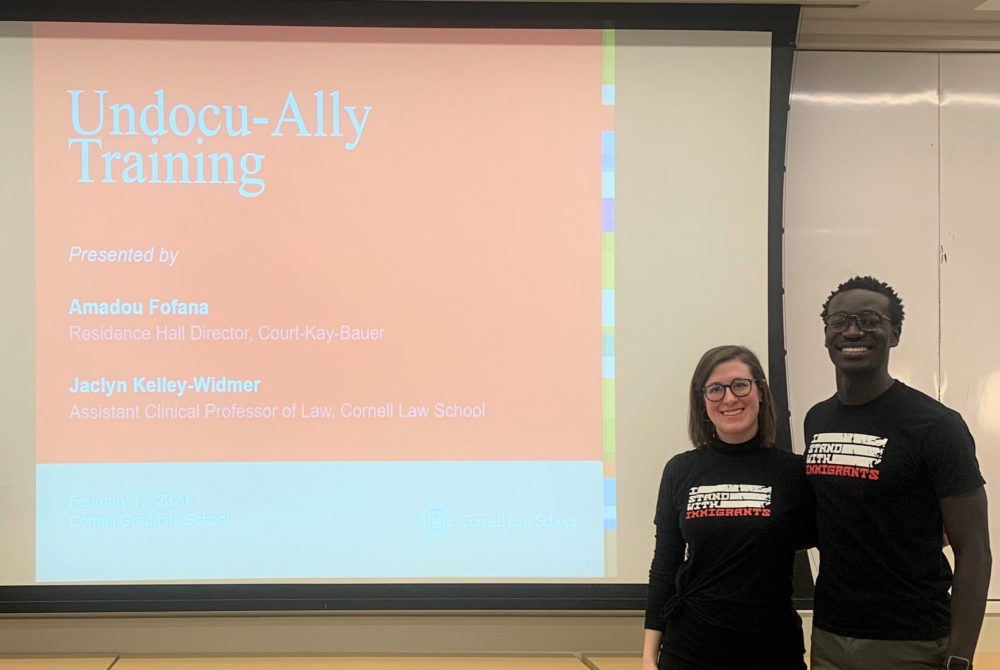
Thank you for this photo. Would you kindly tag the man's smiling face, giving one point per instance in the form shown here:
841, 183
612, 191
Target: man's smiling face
855, 350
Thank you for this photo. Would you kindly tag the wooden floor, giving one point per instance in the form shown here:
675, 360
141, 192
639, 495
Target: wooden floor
984, 661
349, 663
57, 662
613, 662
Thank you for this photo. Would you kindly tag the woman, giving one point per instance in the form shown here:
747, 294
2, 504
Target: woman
730, 515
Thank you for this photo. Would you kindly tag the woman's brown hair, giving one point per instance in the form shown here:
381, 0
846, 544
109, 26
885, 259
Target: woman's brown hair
700, 428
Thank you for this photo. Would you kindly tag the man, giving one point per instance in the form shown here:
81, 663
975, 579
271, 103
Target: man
892, 469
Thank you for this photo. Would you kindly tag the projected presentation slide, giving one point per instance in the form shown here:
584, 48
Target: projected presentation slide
345, 304
321, 308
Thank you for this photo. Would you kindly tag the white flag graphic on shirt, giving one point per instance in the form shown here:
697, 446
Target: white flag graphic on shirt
853, 449
741, 496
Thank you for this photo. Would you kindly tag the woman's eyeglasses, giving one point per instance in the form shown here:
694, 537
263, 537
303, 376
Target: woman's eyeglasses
739, 387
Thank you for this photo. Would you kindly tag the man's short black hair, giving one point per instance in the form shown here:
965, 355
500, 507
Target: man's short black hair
874, 285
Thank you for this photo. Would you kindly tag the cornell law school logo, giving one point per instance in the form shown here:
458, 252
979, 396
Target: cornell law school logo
436, 521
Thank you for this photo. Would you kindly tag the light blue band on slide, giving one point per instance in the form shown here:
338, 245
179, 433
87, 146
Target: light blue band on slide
608, 307
607, 184
608, 94
188, 521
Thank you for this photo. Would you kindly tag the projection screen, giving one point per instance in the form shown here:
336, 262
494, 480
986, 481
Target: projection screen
378, 305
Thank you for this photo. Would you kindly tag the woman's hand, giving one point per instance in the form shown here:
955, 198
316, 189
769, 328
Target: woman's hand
651, 649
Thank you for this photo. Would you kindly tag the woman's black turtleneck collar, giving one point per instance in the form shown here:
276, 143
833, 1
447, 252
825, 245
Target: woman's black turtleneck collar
755, 443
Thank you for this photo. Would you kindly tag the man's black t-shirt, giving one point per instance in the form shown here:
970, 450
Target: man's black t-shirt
879, 470
740, 511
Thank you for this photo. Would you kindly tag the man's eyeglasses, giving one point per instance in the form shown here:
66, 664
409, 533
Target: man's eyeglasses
867, 321
739, 387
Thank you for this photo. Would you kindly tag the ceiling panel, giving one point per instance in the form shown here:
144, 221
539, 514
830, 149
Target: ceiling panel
902, 25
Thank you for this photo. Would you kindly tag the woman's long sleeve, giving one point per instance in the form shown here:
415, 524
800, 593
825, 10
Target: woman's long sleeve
667, 557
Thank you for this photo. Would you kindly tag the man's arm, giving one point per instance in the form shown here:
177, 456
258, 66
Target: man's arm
967, 528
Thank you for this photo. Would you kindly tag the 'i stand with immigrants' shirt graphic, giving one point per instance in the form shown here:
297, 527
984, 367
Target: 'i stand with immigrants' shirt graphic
728, 500
845, 455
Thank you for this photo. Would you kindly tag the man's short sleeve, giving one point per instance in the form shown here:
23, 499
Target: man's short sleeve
950, 457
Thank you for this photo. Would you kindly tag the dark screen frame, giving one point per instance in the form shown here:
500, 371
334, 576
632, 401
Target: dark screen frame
779, 20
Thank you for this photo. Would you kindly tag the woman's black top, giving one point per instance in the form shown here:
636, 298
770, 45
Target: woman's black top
738, 512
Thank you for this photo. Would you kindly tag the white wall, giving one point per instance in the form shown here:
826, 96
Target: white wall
891, 169
970, 258
861, 198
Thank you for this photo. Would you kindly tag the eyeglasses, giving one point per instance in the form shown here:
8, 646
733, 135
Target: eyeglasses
866, 320
739, 387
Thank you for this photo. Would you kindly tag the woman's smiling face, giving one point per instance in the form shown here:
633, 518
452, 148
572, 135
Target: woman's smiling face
734, 418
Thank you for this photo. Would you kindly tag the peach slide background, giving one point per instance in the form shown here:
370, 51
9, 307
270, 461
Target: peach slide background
466, 223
